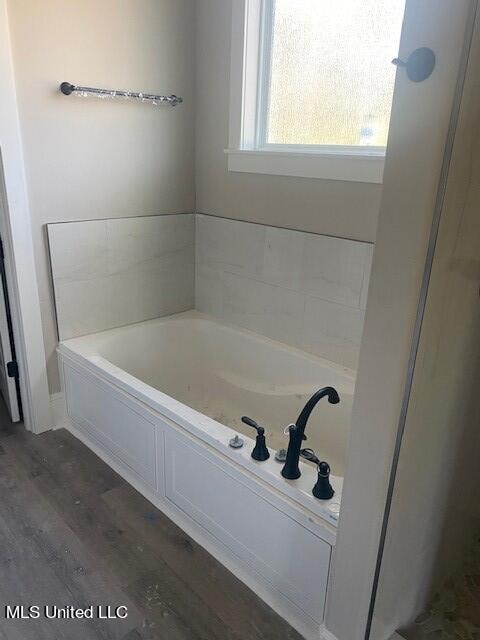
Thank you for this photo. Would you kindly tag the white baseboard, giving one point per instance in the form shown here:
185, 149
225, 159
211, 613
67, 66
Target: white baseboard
59, 414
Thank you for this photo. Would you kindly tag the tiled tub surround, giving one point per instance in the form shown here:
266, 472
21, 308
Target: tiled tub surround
110, 273
303, 289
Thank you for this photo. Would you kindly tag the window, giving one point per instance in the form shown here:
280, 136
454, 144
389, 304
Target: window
312, 86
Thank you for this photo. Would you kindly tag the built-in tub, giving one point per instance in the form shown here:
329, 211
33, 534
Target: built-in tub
160, 401
225, 373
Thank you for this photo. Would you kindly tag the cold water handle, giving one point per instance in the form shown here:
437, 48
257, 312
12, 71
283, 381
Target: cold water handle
322, 490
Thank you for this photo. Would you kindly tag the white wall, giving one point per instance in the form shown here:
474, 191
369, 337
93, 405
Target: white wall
435, 515
344, 209
418, 133
93, 159
18, 245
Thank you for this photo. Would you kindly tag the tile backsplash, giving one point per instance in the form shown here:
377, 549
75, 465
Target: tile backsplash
303, 289
108, 273
300, 288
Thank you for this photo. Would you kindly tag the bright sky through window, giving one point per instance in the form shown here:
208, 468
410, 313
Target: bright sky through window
331, 79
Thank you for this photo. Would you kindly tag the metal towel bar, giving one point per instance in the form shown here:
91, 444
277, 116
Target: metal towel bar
68, 89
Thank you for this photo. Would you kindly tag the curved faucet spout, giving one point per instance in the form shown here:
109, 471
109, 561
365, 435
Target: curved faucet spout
333, 398
291, 469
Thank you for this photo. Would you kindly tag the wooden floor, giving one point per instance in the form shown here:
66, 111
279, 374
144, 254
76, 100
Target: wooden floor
72, 532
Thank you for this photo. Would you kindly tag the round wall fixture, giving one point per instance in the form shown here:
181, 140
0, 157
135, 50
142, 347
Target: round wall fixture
420, 64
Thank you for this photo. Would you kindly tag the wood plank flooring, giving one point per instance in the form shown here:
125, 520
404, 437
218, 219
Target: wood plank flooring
72, 532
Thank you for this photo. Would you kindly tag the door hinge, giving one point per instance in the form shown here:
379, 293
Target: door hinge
12, 369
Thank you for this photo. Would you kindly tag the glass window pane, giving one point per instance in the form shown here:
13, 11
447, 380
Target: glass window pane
331, 72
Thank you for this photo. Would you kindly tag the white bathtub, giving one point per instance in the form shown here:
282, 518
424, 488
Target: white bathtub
160, 401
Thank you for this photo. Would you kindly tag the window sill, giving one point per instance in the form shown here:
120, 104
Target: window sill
326, 165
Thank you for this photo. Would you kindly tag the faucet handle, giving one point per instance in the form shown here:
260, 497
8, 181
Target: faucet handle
260, 451
322, 490
252, 423
309, 454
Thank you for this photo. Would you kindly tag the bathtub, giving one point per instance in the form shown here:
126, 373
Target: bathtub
160, 401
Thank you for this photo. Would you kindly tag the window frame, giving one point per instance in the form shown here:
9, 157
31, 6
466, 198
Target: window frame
248, 151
